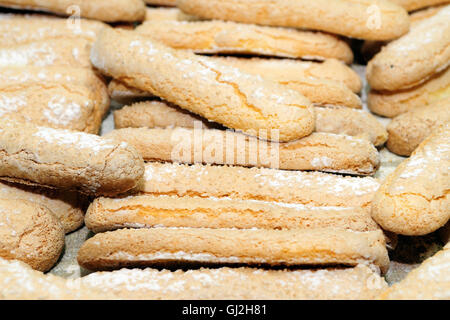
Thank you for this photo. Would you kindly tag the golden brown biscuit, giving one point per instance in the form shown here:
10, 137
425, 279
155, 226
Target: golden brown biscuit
409, 129
319, 151
58, 97
430, 281
413, 200
165, 246
164, 13
66, 159
307, 188
239, 283
106, 10
363, 19
392, 104
237, 38
217, 92
412, 5
29, 232
68, 207
145, 211
415, 57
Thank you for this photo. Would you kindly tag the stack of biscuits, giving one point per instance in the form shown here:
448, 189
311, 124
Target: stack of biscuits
242, 161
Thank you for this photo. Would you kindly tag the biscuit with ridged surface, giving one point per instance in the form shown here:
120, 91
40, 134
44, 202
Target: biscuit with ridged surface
414, 200
363, 19
29, 232
415, 57
64, 159
319, 151
221, 37
215, 91
166, 246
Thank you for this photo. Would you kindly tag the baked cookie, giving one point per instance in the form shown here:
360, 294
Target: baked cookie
412, 5
298, 187
359, 282
217, 92
57, 97
146, 211
175, 246
319, 151
105, 10
413, 200
221, 37
29, 232
409, 129
68, 207
415, 57
392, 104
362, 19
64, 159
165, 13
170, 3
430, 281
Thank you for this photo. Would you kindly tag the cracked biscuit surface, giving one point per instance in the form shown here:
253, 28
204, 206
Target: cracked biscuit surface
319, 151
105, 10
413, 200
221, 37
217, 92
64, 159
363, 19
165, 246
29, 232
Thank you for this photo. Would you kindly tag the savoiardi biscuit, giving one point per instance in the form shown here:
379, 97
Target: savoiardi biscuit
415, 57
167, 246
20, 29
391, 104
363, 19
409, 129
106, 10
338, 120
146, 211
237, 38
319, 151
359, 282
29, 232
171, 3
412, 5
166, 13
413, 200
58, 97
217, 92
429, 281
68, 207
64, 159
307, 188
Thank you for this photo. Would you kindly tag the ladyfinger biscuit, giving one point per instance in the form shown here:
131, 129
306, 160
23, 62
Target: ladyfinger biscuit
359, 282
413, 200
392, 104
237, 38
16, 30
319, 151
409, 129
156, 114
49, 52
66, 159
146, 211
29, 232
307, 188
105, 10
371, 20
166, 246
19, 282
58, 97
68, 207
153, 114
430, 281
162, 13
415, 57
122, 93
412, 5
171, 3
217, 92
